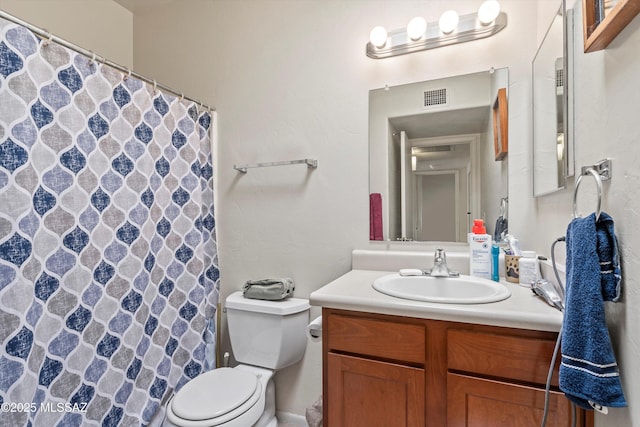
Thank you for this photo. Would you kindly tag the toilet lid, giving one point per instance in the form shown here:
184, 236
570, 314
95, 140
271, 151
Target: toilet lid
214, 394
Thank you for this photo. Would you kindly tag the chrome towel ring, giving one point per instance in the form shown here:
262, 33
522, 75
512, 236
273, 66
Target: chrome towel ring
601, 171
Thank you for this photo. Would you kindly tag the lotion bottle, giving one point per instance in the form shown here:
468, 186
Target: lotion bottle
479, 251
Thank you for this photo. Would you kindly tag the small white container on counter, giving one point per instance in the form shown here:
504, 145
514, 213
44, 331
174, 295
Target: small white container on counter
528, 268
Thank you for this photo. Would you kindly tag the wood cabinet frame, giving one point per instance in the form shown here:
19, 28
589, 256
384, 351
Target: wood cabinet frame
430, 367
501, 125
597, 36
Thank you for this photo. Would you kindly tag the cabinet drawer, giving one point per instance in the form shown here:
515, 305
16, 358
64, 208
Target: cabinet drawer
378, 338
504, 356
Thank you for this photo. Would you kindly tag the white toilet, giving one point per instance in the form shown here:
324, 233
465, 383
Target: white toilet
265, 336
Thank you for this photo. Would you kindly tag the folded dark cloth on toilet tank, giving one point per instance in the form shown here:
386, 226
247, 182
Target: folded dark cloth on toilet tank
272, 289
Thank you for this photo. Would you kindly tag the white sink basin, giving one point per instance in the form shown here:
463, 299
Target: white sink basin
446, 290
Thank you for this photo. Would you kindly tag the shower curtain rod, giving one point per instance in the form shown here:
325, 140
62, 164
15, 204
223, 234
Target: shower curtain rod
45, 35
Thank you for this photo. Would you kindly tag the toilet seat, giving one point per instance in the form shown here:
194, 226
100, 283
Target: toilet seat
216, 397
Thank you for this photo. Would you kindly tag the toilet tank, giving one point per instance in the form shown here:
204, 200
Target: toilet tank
269, 334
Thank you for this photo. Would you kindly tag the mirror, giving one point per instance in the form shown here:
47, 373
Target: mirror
432, 164
553, 108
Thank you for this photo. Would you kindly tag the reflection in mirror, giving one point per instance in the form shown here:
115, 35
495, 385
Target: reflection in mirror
552, 108
432, 161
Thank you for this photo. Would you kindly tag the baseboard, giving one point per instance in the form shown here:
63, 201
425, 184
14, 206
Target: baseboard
286, 419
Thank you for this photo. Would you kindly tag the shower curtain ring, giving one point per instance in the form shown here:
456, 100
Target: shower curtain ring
128, 76
49, 38
155, 86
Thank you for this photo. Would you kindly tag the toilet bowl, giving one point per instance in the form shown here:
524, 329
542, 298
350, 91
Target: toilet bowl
226, 397
265, 336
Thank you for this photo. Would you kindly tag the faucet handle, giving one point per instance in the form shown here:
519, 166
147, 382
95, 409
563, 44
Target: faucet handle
440, 268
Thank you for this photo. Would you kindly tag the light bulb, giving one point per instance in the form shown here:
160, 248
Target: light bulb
416, 28
448, 21
488, 11
378, 36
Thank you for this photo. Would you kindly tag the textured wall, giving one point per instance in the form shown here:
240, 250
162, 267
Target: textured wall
290, 79
606, 125
100, 26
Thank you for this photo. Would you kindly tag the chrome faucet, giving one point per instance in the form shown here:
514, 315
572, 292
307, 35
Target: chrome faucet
440, 268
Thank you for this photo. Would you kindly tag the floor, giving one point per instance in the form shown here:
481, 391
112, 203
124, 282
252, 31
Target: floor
289, 420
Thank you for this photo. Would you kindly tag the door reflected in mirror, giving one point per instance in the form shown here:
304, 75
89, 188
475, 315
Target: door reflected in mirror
432, 158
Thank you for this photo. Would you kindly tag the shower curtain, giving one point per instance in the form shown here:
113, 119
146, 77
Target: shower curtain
108, 256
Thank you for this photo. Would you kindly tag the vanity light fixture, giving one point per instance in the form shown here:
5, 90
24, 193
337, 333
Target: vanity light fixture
378, 37
416, 28
448, 21
450, 29
488, 11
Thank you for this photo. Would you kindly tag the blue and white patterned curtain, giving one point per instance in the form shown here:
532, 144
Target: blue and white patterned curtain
108, 256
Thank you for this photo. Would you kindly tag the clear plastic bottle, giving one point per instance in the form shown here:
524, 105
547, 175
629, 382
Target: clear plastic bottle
528, 267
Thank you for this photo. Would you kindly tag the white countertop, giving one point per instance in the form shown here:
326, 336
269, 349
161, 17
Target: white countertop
523, 310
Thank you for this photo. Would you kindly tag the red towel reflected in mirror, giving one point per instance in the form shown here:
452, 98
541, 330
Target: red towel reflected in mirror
375, 216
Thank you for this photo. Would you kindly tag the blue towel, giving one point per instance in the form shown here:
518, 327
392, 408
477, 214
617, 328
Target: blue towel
609, 258
589, 372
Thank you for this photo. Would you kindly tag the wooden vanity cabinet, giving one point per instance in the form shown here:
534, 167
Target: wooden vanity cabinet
360, 383
373, 371
381, 370
497, 377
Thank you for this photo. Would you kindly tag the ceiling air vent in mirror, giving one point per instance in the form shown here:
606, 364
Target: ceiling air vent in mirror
432, 149
435, 98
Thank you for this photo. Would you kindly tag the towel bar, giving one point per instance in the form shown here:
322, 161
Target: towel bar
601, 171
311, 163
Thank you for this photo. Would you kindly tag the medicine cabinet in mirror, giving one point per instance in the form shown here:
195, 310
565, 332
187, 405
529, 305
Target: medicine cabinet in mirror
433, 166
553, 148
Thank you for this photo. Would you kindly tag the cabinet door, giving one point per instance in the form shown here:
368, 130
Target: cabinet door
480, 402
371, 393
